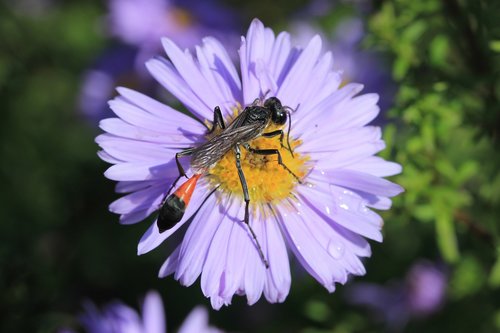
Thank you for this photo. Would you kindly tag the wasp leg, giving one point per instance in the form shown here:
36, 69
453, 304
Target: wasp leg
282, 135
182, 173
246, 196
275, 133
218, 120
272, 152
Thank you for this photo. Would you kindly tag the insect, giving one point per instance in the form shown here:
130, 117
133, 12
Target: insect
248, 125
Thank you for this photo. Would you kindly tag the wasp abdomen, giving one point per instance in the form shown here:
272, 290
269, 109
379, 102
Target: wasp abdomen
173, 208
170, 213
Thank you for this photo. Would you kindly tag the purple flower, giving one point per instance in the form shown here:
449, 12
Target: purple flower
143, 23
117, 317
113, 66
197, 322
140, 24
426, 286
421, 294
322, 219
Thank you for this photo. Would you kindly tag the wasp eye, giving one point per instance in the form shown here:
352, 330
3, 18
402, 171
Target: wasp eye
279, 117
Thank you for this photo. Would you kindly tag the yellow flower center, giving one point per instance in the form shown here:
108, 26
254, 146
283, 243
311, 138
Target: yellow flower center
268, 182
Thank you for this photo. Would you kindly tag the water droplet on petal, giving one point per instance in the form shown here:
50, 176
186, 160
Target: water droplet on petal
336, 249
344, 206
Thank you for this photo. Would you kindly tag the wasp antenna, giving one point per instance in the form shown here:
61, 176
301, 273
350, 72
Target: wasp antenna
265, 94
298, 105
288, 133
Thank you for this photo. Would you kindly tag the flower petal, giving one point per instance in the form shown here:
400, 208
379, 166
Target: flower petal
133, 150
139, 171
173, 138
168, 76
362, 181
255, 48
240, 244
255, 271
319, 117
196, 321
338, 140
221, 74
311, 256
197, 240
212, 276
132, 186
300, 73
339, 207
189, 71
346, 158
136, 116
170, 265
139, 200
377, 166
277, 256
153, 313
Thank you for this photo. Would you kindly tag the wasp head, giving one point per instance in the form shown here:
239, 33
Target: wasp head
278, 114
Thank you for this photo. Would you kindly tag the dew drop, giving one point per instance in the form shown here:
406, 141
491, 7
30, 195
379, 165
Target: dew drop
344, 206
336, 249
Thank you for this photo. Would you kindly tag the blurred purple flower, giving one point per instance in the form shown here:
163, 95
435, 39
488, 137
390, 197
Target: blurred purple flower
421, 294
114, 66
426, 287
141, 24
321, 219
117, 317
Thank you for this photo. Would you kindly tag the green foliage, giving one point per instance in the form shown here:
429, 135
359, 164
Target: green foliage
444, 129
449, 154
469, 277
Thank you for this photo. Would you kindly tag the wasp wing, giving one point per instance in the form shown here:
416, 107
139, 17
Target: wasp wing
204, 156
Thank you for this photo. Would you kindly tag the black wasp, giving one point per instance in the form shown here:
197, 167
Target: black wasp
248, 125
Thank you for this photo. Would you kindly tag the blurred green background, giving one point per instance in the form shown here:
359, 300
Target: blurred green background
60, 245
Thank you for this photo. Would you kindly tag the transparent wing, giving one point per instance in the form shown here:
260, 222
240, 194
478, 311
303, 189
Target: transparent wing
207, 154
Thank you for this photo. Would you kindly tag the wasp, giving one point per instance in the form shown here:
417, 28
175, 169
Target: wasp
250, 124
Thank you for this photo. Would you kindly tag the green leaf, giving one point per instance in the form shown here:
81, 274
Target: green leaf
424, 213
468, 278
400, 68
494, 279
317, 311
446, 236
495, 45
439, 50
496, 320
389, 137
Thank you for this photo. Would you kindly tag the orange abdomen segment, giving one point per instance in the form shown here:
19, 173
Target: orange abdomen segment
185, 191
173, 208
